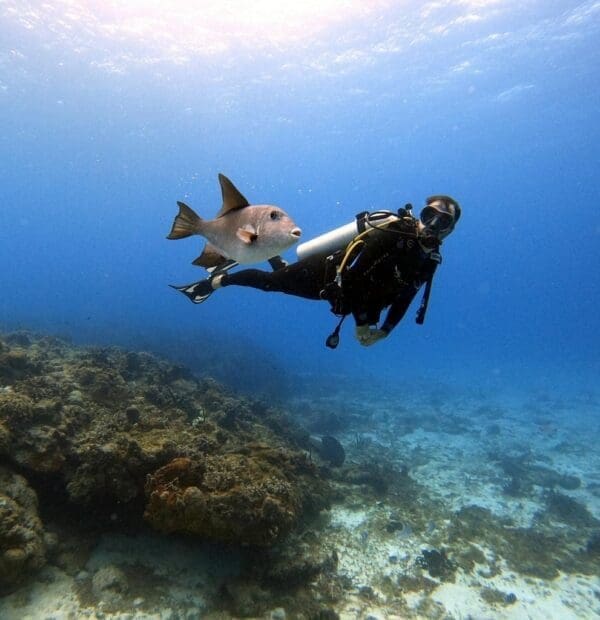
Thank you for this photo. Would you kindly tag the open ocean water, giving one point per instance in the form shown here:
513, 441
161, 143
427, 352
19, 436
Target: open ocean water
470, 486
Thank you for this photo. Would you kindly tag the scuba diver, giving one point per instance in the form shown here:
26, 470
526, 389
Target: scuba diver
378, 261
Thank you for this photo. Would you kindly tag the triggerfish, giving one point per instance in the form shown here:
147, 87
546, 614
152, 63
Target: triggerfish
240, 232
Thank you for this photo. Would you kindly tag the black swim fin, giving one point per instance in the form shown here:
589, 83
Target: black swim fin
196, 292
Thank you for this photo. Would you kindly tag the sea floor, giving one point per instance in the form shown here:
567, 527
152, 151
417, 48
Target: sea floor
520, 459
459, 506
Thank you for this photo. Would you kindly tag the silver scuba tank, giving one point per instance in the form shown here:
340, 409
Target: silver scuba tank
338, 238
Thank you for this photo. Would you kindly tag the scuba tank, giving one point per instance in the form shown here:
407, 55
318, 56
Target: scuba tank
336, 239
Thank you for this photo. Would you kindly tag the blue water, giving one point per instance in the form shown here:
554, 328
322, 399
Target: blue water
109, 116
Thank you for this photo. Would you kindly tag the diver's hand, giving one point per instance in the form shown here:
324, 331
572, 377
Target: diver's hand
368, 335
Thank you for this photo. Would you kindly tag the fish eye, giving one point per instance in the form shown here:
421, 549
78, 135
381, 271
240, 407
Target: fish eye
274, 215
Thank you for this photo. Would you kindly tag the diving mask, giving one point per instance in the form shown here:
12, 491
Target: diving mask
435, 220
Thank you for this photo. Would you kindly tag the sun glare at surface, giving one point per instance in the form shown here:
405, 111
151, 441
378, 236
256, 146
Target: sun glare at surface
179, 28
432, 41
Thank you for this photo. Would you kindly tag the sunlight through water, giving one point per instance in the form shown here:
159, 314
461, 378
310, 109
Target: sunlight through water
178, 27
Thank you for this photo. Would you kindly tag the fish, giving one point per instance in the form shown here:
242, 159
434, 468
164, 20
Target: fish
329, 449
240, 232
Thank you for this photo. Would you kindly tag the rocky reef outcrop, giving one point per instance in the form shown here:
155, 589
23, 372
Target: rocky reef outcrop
124, 434
254, 495
22, 544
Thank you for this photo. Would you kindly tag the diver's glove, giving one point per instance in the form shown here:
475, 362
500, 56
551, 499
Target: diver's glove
368, 334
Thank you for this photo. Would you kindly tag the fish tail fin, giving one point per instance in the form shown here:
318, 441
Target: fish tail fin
187, 222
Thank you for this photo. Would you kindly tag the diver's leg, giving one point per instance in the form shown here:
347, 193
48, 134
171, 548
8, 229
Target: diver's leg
303, 279
197, 292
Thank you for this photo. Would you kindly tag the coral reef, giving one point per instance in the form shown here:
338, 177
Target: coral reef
379, 476
593, 545
567, 510
300, 577
22, 539
536, 551
523, 474
109, 585
437, 564
329, 449
125, 434
255, 496
496, 597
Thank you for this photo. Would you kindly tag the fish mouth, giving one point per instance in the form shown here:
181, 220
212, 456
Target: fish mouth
296, 232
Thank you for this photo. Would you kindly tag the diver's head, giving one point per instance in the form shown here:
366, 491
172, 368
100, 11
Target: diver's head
439, 217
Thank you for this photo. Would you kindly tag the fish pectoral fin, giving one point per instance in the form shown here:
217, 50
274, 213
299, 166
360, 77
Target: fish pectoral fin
210, 257
186, 222
232, 199
247, 234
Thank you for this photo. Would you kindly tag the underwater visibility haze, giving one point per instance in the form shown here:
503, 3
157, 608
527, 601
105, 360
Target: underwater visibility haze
111, 112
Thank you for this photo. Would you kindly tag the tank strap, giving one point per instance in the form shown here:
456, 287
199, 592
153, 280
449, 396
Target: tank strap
332, 291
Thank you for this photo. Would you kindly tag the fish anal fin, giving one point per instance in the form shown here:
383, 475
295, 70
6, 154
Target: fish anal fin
232, 198
210, 257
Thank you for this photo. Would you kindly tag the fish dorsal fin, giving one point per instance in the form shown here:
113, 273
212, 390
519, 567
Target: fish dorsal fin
210, 257
247, 234
232, 199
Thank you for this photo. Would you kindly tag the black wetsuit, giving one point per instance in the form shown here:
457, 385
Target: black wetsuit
387, 270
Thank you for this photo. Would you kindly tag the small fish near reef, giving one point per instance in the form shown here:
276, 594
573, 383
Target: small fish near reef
240, 232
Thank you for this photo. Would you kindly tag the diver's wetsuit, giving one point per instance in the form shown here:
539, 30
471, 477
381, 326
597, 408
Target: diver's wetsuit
388, 271
305, 278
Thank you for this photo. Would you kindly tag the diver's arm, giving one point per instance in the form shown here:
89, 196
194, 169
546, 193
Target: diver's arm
400, 305
370, 334
396, 313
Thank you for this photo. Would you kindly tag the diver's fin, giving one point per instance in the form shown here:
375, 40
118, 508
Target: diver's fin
210, 257
197, 292
232, 199
247, 234
187, 222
